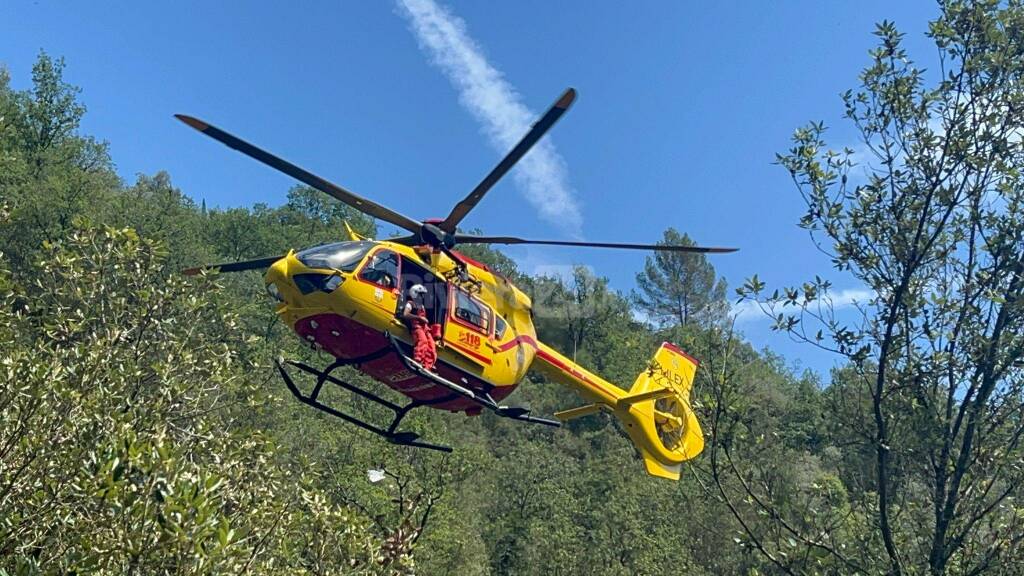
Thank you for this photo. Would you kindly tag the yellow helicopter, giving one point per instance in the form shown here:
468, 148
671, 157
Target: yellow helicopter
346, 298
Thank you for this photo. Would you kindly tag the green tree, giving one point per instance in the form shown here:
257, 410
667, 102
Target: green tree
121, 448
315, 218
157, 210
784, 508
680, 288
930, 219
570, 313
50, 174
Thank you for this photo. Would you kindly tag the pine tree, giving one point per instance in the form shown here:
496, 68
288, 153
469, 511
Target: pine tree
678, 288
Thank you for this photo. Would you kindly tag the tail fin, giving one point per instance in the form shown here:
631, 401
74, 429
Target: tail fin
656, 411
661, 398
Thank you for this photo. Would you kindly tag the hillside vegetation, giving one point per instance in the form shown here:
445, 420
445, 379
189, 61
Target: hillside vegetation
144, 431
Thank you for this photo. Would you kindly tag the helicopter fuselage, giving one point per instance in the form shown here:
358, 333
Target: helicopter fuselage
346, 298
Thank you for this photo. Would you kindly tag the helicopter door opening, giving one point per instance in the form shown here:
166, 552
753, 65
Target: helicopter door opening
436, 301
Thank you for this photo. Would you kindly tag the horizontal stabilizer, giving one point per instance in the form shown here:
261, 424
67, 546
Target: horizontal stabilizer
566, 415
656, 394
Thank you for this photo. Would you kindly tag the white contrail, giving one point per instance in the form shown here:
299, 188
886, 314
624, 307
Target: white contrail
542, 174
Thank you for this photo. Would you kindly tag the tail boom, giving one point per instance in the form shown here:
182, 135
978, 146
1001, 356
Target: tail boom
656, 411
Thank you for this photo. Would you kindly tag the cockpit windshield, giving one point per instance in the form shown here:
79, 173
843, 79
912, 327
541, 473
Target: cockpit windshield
344, 256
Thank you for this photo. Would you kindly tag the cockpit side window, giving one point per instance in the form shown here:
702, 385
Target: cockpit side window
382, 270
499, 327
344, 256
471, 312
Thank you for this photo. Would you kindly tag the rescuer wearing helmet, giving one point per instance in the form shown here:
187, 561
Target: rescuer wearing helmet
415, 315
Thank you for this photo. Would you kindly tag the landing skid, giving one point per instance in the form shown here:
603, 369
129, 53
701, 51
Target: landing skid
391, 432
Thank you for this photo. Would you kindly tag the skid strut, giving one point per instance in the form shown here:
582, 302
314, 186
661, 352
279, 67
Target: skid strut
391, 432
482, 398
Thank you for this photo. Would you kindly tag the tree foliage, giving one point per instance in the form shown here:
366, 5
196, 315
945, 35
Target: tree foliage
122, 435
680, 288
929, 218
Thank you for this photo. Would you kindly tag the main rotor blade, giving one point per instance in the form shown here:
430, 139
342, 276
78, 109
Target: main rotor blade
354, 200
472, 239
536, 132
235, 266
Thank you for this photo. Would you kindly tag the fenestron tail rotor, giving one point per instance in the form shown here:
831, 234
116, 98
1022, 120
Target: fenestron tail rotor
670, 422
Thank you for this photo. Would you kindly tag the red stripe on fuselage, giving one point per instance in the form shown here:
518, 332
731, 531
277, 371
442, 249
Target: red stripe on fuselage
516, 341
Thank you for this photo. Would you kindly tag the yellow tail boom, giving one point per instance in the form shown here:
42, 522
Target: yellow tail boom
656, 410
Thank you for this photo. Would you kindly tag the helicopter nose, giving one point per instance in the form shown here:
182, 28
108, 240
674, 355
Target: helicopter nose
277, 280
274, 292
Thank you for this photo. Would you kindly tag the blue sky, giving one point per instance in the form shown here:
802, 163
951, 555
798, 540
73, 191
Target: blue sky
681, 109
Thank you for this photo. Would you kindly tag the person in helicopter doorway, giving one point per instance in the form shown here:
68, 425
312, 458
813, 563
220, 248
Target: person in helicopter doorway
415, 315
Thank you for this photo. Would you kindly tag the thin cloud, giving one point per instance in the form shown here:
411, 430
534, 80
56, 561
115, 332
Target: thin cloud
750, 311
542, 174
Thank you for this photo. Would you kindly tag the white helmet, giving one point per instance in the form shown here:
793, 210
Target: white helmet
416, 290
